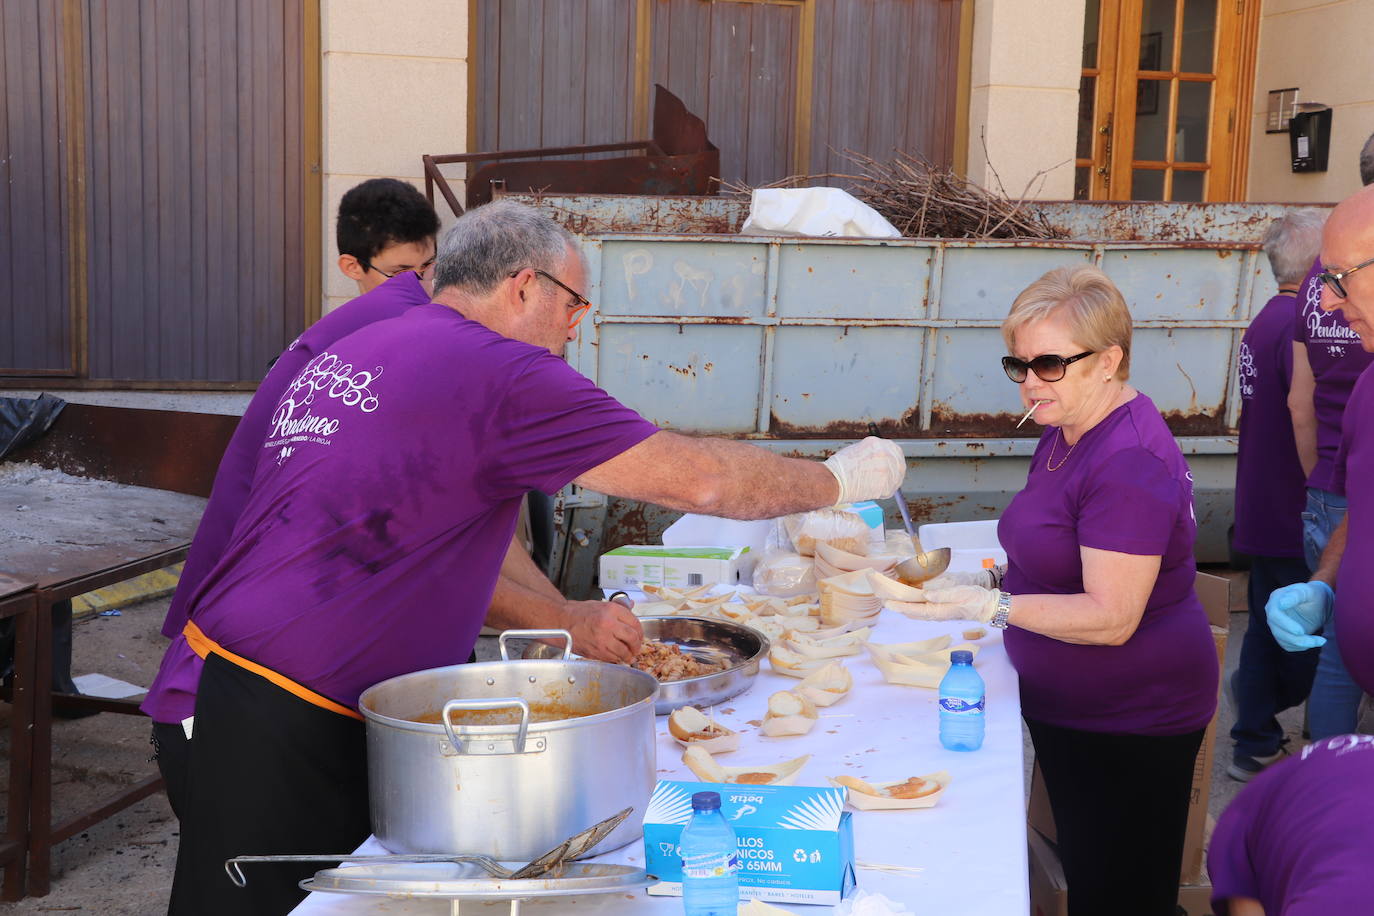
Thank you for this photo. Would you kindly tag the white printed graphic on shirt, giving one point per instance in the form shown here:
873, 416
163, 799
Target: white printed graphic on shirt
1248, 372
325, 376
1323, 326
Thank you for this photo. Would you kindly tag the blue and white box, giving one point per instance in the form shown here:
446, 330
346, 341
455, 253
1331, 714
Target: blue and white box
796, 843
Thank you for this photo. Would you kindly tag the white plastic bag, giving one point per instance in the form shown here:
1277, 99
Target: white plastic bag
814, 211
870, 903
780, 570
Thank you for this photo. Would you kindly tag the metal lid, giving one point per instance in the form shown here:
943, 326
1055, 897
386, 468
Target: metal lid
466, 881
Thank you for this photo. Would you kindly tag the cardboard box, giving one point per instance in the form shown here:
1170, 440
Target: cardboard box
796, 843
1215, 594
637, 565
1049, 891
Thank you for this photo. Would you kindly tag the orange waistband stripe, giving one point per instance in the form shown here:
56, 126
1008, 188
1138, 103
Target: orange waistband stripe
203, 645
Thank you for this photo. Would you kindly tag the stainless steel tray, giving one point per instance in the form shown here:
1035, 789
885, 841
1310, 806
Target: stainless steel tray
465, 881
705, 639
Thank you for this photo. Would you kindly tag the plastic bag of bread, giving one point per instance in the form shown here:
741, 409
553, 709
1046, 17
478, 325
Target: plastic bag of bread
845, 530
784, 574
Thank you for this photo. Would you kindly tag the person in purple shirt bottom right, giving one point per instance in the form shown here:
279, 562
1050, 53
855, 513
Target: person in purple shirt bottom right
1270, 493
1115, 657
393, 471
1297, 840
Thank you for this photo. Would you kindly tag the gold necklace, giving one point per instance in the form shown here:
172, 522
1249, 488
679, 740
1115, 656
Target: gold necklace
1050, 457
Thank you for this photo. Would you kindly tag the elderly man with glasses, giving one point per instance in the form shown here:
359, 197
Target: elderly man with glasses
1327, 361
1340, 593
379, 519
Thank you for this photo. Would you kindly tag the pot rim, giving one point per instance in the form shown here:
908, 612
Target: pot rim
437, 728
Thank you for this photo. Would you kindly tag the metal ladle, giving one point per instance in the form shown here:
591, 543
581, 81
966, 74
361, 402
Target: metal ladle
924, 566
576, 845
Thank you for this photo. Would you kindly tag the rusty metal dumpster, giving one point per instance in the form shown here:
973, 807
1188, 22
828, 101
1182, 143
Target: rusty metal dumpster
801, 344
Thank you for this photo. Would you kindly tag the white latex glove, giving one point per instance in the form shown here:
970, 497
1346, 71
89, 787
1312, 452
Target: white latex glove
872, 468
982, 578
961, 602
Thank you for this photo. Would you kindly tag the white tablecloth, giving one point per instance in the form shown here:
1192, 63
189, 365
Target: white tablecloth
970, 848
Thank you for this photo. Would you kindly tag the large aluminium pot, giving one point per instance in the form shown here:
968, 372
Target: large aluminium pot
577, 747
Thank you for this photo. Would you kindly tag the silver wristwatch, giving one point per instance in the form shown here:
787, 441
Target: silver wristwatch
999, 617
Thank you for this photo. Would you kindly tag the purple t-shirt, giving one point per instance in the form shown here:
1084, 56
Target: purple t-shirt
1298, 837
235, 473
1337, 360
1270, 486
181, 666
1355, 581
1124, 488
389, 482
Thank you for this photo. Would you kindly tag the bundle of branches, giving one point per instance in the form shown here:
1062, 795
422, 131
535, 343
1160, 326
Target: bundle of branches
925, 201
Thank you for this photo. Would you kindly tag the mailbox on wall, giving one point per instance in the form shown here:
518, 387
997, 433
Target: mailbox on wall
1309, 139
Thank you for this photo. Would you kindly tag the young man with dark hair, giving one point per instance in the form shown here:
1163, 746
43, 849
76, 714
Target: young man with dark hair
385, 227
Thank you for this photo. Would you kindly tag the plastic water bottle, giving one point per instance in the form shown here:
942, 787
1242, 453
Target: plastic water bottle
962, 697
710, 860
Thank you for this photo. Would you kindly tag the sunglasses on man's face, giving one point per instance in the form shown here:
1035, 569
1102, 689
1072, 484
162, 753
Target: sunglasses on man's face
1048, 368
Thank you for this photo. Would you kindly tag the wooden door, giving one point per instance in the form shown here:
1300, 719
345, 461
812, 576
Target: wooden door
1162, 113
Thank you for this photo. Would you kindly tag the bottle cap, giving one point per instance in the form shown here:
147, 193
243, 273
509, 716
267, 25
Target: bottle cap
960, 657
709, 801
989, 563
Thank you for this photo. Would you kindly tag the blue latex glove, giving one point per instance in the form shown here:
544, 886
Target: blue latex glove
1298, 611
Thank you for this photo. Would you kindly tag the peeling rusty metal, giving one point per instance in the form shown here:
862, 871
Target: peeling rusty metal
946, 422
1199, 423
906, 427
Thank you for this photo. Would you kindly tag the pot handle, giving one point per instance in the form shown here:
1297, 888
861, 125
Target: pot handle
508, 703
534, 634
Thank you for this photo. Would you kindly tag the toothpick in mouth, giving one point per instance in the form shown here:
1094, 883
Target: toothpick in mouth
1029, 412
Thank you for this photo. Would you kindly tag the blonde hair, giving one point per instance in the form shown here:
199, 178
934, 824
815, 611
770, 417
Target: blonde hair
1096, 312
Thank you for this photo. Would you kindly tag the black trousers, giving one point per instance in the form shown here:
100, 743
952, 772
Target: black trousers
1120, 806
172, 751
270, 774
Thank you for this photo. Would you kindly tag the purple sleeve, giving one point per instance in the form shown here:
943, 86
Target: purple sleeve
554, 425
1228, 857
1285, 360
1130, 504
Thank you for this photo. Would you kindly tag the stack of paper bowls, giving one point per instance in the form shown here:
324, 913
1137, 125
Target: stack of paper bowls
832, 562
848, 599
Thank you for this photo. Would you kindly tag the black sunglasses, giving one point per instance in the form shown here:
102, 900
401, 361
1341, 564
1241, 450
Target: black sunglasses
1047, 368
1333, 278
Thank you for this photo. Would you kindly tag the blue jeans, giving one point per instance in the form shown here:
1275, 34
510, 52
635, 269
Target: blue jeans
1268, 679
1333, 708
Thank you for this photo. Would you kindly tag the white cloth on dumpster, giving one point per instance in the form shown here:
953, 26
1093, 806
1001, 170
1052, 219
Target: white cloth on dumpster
814, 211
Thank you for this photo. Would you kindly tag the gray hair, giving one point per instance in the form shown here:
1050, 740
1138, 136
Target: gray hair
1292, 243
1367, 161
489, 243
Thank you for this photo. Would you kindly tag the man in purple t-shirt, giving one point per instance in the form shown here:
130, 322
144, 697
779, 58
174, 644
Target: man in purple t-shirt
1327, 361
1297, 840
1298, 611
1269, 501
391, 472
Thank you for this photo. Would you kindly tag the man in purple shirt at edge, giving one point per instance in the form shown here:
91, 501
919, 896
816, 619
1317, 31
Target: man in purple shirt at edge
1327, 361
1296, 841
1269, 501
395, 467
385, 234
1343, 592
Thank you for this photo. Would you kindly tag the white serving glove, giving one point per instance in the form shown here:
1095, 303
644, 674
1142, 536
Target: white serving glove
960, 602
983, 578
872, 468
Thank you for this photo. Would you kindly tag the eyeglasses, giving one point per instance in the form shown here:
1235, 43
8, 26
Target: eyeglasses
1047, 368
580, 303
425, 270
1333, 278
